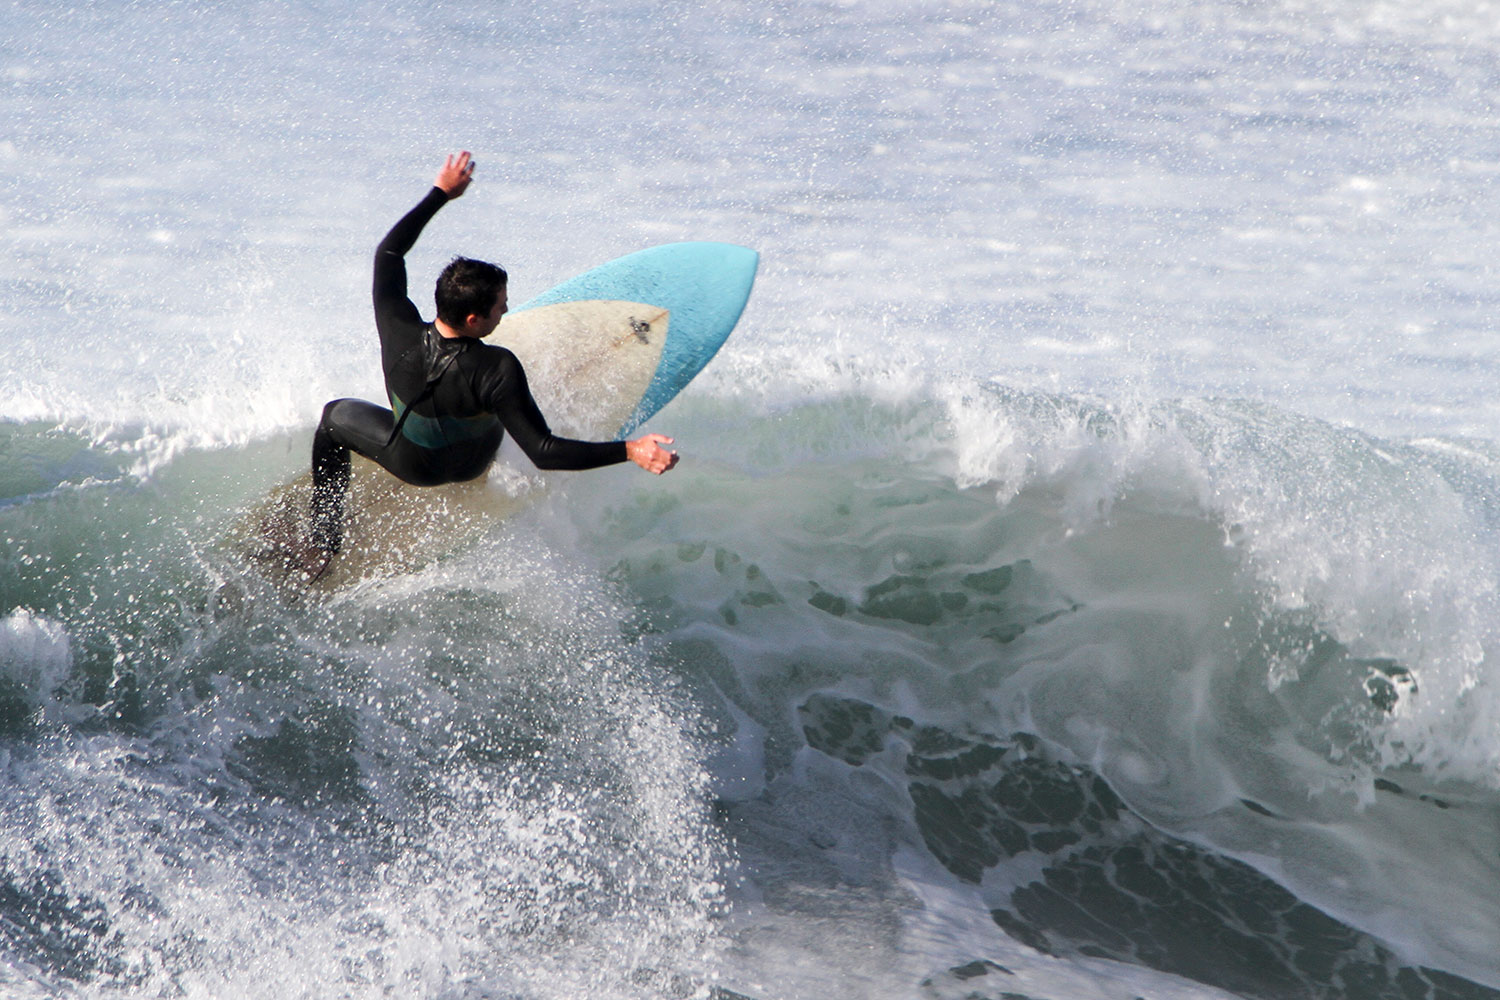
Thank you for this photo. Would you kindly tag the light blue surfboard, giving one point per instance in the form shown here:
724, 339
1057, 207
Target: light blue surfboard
703, 287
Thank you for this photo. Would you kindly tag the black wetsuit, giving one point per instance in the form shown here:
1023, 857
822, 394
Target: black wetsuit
462, 396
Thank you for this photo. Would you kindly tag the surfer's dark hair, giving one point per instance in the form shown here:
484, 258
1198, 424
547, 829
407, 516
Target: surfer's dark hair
467, 288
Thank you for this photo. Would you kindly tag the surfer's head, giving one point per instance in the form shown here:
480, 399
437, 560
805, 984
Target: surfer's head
470, 288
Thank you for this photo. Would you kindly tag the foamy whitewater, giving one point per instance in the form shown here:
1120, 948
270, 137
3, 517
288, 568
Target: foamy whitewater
1079, 582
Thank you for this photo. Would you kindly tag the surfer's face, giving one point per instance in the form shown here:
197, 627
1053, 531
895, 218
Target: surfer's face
483, 326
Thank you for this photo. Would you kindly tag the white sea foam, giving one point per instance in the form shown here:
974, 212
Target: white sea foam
35, 657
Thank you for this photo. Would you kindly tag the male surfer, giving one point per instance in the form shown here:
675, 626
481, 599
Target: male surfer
453, 397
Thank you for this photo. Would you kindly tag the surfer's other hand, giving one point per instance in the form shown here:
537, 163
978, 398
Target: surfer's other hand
455, 174
648, 453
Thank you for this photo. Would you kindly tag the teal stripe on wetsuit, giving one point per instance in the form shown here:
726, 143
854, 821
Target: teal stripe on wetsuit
443, 431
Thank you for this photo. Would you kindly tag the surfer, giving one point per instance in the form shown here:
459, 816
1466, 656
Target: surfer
453, 397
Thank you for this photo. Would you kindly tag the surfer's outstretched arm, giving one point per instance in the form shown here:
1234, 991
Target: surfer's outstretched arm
504, 391
503, 388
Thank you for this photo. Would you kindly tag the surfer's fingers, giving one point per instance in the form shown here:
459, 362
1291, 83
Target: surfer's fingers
455, 174
663, 459
647, 452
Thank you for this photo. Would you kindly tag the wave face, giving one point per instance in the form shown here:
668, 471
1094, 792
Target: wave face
1080, 580
1147, 684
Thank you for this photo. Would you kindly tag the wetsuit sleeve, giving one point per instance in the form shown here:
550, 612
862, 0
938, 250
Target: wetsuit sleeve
506, 393
391, 302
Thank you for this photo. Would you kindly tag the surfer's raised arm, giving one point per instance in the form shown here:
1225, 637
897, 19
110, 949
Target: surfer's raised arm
452, 181
396, 318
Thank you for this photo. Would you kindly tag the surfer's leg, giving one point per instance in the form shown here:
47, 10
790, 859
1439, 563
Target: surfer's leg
346, 424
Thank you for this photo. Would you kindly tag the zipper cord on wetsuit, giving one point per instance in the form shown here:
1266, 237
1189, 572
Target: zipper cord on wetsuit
427, 390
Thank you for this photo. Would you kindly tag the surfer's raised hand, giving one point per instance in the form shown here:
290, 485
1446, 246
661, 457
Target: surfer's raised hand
455, 174
648, 453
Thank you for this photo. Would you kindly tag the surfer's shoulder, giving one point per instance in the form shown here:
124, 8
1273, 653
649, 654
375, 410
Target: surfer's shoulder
491, 367
492, 355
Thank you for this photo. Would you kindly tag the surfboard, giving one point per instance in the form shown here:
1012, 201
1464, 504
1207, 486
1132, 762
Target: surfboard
603, 353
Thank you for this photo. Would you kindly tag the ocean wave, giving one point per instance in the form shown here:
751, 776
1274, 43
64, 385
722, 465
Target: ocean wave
1268, 634
1088, 667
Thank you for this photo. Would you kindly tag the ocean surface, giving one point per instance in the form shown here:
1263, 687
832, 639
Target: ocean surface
1080, 581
